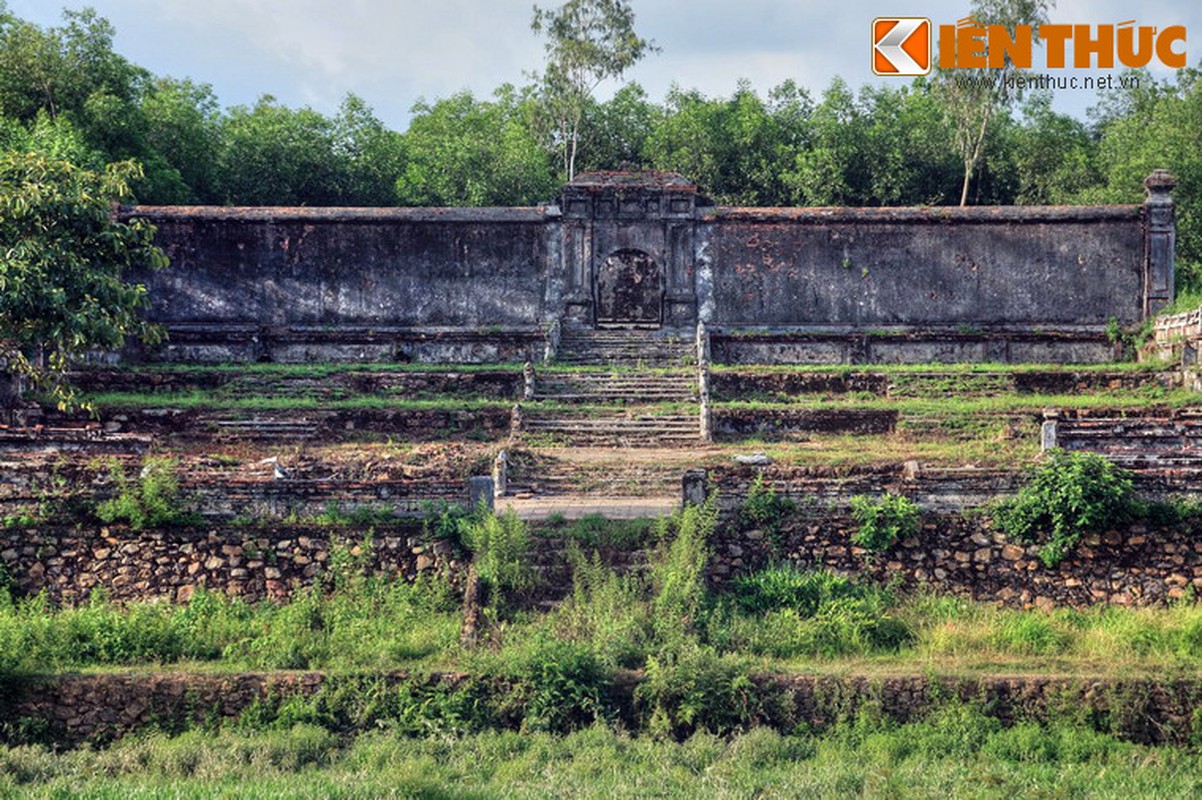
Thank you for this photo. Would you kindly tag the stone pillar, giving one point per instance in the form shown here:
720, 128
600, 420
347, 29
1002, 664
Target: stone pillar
1160, 241
1048, 432
703, 381
500, 473
515, 422
528, 381
480, 492
694, 485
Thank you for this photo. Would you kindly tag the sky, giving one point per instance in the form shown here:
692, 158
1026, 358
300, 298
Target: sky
394, 52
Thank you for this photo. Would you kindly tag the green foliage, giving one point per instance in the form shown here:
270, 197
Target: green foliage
678, 572
500, 547
606, 609
560, 686
594, 530
365, 622
151, 500
786, 612
1069, 496
64, 269
587, 42
466, 152
765, 510
693, 687
884, 520
363, 515
786, 586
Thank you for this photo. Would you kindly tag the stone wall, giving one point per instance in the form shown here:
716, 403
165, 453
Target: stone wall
791, 285
71, 710
968, 557
868, 268
953, 554
398, 267
171, 564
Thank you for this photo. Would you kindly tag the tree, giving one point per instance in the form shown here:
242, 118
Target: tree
587, 42
1161, 128
467, 152
973, 97
733, 148
63, 263
274, 155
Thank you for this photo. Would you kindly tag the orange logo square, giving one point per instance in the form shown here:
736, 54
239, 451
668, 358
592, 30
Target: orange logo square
901, 45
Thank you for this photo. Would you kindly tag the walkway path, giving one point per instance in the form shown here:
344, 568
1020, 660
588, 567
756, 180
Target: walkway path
576, 506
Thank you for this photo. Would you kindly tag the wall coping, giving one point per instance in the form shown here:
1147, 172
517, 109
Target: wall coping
328, 214
1009, 215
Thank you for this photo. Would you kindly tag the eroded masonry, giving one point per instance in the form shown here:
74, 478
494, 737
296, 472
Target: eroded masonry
646, 251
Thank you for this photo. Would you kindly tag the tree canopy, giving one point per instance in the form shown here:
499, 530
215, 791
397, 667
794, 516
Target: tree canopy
64, 265
68, 96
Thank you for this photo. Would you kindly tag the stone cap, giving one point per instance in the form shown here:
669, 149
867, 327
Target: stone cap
1160, 181
642, 179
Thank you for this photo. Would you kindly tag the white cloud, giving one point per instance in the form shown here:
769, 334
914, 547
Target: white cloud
393, 51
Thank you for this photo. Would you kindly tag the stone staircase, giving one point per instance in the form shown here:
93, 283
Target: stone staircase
611, 429
625, 347
626, 405
665, 386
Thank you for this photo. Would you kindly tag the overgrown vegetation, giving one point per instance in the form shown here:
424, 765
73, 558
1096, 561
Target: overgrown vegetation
149, 501
765, 510
884, 520
957, 752
1069, 496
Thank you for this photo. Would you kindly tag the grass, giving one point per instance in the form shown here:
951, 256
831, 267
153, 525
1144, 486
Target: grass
951, 369
1144, 397
784, 621
362, 623
307, 370
214, 401
997, 449
957, 754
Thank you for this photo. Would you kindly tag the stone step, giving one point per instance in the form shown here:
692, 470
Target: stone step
325, 388
632, 396
261, 429
623, 347
615, 430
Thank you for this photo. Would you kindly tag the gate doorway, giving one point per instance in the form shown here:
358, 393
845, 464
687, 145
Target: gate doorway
629, 291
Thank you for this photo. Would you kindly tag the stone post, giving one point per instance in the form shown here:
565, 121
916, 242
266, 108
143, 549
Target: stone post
527, 381
1160, 241
500, 473
703, 382
694, 486
515, 422
1048, 432
480, 492
551, 344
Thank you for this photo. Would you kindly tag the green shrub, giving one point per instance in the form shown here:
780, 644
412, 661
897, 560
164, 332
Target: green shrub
606, 609
1069, 496
694, 688
765, 510
561, 686
678, 570
884, 520
786, 586
500, 547
151, 500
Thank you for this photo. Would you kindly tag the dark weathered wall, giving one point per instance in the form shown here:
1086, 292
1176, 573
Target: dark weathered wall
391, 267
874, 267
476, 285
